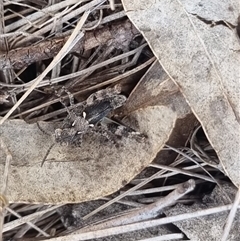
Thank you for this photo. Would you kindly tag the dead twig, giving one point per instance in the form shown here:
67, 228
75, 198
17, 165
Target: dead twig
119, 197
147, 212
24, 56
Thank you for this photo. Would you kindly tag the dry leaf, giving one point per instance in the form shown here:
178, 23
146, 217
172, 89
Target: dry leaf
156, 88
197, 45
76, 174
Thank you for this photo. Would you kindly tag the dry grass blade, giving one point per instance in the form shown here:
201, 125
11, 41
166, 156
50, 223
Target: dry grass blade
165, 237
75, 13
18, 222
29, 223
188, 173
158, 189
112, 4
38, 14
183, 154
231, 216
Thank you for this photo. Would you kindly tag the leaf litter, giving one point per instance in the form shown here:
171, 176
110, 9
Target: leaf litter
155, 107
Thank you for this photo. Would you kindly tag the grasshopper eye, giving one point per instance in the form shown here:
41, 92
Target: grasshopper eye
84, 115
